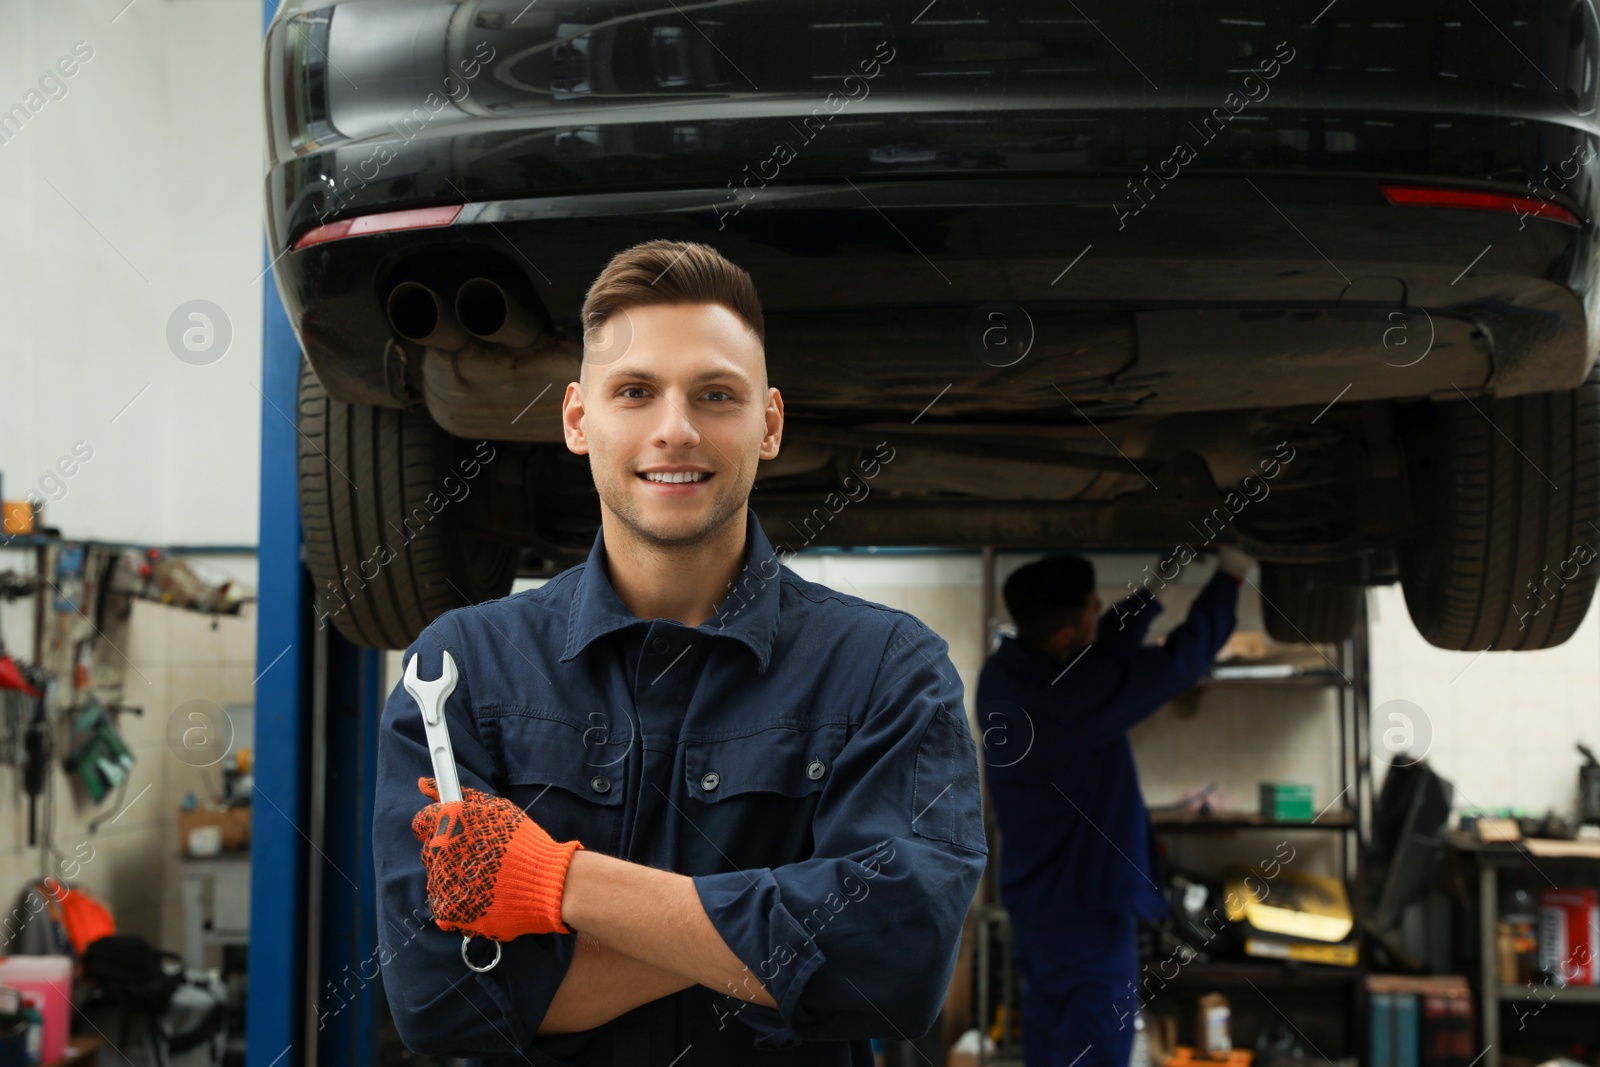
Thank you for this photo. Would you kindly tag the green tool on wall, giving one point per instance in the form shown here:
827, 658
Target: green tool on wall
96, 754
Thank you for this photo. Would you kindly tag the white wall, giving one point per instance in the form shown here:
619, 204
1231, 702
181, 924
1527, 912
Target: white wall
137, 190
1503, 724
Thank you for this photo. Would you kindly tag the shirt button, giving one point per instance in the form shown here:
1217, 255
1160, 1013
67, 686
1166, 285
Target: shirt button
816, 770
710, 780
600, 784
660, 645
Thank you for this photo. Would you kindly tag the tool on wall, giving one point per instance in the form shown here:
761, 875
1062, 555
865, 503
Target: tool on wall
17, 683
17, 696
73, 586
430, 696
13, 676
1588, 787
96, 754
36, 762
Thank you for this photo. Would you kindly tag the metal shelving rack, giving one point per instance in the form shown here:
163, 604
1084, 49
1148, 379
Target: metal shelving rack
1349, 676
1352, 821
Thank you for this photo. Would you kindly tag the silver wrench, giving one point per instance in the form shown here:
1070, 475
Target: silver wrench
430, 696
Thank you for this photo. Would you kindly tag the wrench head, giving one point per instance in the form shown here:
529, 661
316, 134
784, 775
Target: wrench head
431, 692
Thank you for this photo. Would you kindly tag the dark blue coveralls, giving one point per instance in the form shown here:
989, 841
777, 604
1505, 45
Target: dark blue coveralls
803, 754
1077, 859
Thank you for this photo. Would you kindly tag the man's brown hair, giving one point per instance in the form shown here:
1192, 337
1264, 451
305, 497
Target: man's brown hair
673, 272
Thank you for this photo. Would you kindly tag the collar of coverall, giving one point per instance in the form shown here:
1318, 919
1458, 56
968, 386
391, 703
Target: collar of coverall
749, 613
1037, 659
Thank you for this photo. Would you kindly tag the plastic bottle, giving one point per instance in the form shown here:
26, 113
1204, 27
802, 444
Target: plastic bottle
35, 1017
1520, 913
1141, 1043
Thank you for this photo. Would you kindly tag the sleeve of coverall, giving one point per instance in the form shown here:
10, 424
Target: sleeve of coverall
860, 940
1147, 677
440, 1007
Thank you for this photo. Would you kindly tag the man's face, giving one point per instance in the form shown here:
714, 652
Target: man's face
686, 394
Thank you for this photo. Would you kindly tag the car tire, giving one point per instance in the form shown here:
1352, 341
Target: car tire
1507, 503
1300, 605
383, 564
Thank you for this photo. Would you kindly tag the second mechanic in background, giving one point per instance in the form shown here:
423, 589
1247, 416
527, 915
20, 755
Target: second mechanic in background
1077, 861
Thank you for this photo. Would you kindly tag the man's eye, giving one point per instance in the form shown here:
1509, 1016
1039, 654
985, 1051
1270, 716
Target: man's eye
632, 389
720, 392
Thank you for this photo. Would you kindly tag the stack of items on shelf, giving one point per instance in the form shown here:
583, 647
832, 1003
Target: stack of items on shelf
1296, 916
1156, 1042
1419, 1021
153, 575
1550, 938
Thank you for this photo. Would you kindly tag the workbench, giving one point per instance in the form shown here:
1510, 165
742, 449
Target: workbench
1490, 859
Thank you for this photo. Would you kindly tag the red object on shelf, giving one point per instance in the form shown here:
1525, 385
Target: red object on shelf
1569, 935
11, 677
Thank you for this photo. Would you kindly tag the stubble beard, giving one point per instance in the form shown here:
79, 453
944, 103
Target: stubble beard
726, 501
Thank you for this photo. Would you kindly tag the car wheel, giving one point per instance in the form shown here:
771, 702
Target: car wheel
1507, 499
383, 561
1299, 604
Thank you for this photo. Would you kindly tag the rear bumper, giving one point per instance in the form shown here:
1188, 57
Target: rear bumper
1226, 294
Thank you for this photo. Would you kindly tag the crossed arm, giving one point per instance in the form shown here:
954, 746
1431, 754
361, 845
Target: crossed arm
642, 934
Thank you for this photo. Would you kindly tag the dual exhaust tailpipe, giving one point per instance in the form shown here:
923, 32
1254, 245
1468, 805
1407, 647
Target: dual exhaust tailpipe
483, 309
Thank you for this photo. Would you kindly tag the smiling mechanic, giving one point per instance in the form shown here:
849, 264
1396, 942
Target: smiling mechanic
706, 827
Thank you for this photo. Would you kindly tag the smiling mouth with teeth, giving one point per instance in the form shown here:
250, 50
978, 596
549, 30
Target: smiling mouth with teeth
669, 478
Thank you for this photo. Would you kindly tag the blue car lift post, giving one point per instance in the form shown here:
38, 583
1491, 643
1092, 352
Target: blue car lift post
313, 993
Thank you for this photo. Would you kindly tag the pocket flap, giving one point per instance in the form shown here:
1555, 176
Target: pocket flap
789, 760
582, 759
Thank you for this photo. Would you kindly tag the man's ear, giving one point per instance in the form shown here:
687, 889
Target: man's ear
572, 420
773, 415
1061, 638
1089, 622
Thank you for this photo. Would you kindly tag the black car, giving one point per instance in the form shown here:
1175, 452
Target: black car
1152, 275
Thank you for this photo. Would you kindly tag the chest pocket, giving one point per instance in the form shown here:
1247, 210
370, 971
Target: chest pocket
570, 785
750, 800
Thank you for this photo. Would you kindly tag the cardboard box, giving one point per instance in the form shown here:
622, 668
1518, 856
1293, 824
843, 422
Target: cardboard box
233, 824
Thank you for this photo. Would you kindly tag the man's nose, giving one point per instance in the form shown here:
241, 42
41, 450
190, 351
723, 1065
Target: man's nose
676, 426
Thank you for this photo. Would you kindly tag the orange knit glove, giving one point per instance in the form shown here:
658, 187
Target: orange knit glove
492, 871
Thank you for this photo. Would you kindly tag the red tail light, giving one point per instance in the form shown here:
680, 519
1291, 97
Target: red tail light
420, 218
1427, 196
